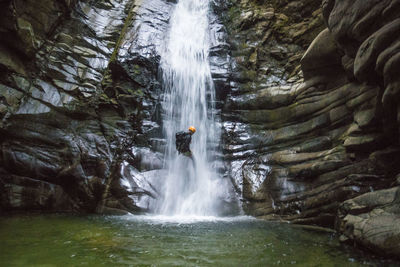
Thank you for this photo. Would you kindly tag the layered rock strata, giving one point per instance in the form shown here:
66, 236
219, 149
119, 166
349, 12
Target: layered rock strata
71, 107
372, 220
81, 122
302, 144
310, 131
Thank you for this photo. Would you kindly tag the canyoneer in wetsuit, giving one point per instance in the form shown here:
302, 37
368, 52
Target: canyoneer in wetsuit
183, 140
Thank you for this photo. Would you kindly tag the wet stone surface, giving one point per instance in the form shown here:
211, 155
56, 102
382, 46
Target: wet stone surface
68, 123
309, 115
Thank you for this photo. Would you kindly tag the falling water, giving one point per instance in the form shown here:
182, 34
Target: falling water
189, 188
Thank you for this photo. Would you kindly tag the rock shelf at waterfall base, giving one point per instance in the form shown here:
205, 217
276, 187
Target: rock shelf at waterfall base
295, 103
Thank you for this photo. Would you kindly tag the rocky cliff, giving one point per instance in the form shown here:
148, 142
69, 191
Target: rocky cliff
308, 95
302, 145
74, 106
81, 126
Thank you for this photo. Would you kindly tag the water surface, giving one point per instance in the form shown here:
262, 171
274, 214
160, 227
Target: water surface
62, 240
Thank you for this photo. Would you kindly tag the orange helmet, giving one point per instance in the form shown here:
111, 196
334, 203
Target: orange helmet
192, 129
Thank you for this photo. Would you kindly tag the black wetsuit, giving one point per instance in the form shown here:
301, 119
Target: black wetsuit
183, 140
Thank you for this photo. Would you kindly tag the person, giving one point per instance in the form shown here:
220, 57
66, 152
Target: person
183, 140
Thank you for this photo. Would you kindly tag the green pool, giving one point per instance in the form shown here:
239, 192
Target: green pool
63, 240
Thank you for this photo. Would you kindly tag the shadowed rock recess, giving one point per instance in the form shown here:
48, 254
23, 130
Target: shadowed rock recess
307, 92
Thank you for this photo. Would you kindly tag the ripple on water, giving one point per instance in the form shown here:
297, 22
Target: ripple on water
184, 219
62, 240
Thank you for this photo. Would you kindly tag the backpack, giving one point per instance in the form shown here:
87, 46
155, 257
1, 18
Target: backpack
180, 138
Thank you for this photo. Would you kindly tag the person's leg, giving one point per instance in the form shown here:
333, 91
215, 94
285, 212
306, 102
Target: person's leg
190, 155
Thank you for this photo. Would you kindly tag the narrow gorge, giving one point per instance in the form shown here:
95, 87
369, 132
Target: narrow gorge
295, 105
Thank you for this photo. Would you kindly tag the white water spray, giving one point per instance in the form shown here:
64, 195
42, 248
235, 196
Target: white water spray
189, 100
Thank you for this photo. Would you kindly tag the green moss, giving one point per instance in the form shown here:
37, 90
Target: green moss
231, 18
110, 45
137, 69
104, 96
250, 75
249, 87
233, 12
138, 92
244, 46
123, 32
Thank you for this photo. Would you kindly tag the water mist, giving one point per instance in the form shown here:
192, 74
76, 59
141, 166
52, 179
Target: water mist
189, 189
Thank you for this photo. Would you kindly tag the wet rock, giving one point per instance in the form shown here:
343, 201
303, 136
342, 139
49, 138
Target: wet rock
11, 62
360, 143
148, 160
141, 186
27, 24
365, 60
68, 126
321, 54
27, 36
367, 43
372, 220
254, 175
26, 194
114, 211
366, 118
325, 134
302, 134
341, 26
65, 38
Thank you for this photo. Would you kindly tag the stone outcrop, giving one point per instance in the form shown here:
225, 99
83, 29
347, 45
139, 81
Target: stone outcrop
373, 221
25, 28
73, 104
302, 143
81, 126
368, 36
308, 96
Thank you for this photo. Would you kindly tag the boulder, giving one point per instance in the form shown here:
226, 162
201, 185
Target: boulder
26, 194
372, 47
352, 22
373, 221
321, 56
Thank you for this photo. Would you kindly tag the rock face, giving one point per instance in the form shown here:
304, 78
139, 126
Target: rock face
302, 143
308, 96
81, 126
373, 220
72, 106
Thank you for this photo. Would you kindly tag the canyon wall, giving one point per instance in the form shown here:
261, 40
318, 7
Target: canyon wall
308, 95
306, 144
80, 103
75, 107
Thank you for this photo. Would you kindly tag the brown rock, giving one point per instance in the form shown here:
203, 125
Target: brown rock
365, 118
351, 22
372, 220
392, 81
322, 53
364, 64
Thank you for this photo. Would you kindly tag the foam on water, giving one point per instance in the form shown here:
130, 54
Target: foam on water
185, 219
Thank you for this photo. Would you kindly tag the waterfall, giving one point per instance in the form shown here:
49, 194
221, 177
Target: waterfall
189, 189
